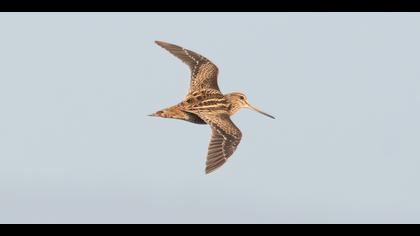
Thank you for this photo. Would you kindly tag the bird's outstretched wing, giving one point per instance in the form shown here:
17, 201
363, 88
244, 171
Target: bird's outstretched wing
203, 71
224, 140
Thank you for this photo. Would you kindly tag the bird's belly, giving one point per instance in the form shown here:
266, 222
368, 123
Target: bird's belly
193, 118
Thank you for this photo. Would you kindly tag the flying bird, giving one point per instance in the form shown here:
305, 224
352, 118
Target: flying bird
205, 104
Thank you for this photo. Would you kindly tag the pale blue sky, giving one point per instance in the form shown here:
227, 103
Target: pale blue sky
77, 146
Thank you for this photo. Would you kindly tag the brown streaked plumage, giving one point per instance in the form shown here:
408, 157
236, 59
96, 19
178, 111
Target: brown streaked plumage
205, 104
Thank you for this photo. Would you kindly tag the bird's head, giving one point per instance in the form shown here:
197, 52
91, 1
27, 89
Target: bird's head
239, 100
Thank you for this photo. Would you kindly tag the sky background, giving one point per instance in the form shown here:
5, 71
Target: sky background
77, 146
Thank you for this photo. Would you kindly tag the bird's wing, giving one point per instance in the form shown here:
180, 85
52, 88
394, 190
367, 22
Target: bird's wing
224, 140
203, 71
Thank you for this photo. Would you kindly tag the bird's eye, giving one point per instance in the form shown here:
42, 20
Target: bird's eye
241, 97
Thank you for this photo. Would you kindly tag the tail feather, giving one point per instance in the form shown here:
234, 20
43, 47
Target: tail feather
174, 112
171, 112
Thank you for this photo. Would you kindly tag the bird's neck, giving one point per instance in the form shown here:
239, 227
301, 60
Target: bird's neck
233, 105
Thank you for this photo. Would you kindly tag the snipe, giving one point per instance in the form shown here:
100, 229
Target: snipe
205, 104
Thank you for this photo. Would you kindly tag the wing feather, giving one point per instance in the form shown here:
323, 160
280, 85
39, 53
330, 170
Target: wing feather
203, 71
224, 140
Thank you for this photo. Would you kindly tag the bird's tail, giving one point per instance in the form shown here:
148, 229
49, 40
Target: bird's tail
171, 112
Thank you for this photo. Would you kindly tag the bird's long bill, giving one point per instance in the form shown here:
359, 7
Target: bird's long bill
258, 110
